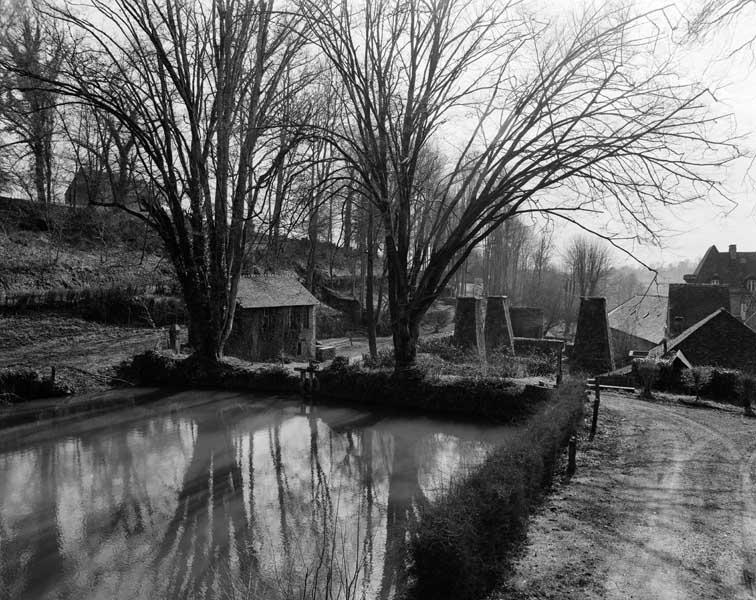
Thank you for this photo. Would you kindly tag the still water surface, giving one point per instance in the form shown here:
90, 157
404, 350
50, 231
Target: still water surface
223, 495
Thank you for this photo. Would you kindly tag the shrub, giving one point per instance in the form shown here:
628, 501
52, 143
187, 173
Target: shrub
647, 370
22, 384
746, 389
445, 350
723, 384
436, 319
466, 539
696, 379
383, 360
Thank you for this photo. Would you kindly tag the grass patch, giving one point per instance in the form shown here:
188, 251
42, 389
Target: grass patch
465, 541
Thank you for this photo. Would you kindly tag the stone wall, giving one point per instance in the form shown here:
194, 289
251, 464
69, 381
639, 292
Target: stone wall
524, 346
262, 334
527, 321
593, 348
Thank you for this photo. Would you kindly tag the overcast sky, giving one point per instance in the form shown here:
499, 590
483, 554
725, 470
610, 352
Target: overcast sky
690, 231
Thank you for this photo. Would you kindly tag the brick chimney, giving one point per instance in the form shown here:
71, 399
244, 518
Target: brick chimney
733, 253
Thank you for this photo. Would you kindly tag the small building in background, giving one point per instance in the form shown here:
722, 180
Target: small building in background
735, 270
112, 187
275, 317
718, 340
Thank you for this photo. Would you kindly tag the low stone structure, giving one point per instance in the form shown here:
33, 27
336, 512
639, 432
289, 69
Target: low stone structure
593, 347
527, 321
498, 326
468, 324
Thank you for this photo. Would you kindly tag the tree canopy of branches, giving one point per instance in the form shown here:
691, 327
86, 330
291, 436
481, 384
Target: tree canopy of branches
193, 89
28, 115
556, 118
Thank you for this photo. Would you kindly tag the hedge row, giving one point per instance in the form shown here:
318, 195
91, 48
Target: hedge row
154, 369
479, 396
465, 541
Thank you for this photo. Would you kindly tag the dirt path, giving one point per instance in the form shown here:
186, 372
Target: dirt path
663, 506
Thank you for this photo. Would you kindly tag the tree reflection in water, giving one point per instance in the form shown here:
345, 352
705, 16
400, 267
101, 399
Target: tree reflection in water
229, 500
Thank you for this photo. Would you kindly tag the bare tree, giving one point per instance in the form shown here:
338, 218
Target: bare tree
588, 264
554, 119
197, 86
714, 14
30, 43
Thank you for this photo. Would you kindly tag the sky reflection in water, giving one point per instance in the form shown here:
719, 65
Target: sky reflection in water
241, 497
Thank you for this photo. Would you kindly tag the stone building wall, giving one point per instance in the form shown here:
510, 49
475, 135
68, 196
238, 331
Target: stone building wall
261, 334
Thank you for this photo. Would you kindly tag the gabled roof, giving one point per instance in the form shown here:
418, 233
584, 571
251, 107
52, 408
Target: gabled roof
729, 270
674, 342
643, 316
272, 291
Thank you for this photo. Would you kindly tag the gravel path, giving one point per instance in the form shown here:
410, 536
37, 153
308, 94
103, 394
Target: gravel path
663, 506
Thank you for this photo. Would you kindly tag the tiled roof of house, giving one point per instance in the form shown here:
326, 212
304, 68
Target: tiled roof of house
270, 291
643, 315
677, 341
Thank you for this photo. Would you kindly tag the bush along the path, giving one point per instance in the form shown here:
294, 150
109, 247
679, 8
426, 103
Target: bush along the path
21, 385
465, 541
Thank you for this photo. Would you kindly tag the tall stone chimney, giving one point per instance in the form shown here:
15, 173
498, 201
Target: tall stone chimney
733, 253
468, 324
498, 329
593, 346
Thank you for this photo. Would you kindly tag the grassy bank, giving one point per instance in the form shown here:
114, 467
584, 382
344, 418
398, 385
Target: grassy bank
465, 541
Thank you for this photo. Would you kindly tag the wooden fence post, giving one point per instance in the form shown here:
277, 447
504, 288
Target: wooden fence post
571, 457
596, 402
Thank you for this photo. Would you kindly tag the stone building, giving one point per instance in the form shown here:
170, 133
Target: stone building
109, 188
718, 340
735, 270
275, 316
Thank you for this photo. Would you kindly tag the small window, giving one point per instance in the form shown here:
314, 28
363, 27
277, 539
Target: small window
715, 281
751, 285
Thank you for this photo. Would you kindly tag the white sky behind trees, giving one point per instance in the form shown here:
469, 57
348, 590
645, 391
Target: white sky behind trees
688, 230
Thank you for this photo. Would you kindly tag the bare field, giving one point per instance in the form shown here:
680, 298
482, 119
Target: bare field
83, 352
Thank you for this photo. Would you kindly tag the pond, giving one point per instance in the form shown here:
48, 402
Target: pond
224, 495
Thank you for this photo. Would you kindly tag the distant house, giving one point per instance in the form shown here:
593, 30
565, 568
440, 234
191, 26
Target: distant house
643, 321
719, 340
275, 316
691, 302
735, 270
100, 187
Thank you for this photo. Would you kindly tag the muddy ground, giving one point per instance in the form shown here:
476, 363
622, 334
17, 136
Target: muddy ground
83, 352
663, 505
